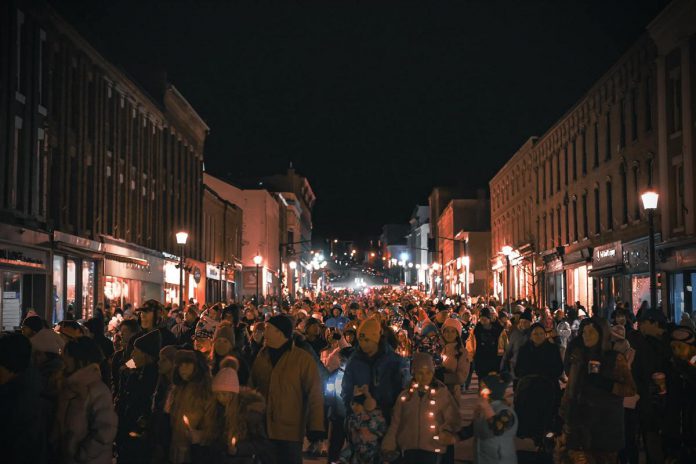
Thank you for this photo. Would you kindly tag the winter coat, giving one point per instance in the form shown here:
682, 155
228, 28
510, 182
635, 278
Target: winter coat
592, 406
364, 433
184, 332
188, 400
293, 392
486, 359
86, 422
517, 339
383, 373
494, 438
456, 369
419, 418
23, 423
332, 396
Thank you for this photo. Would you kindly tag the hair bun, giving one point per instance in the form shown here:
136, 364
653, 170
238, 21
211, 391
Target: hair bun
230, 361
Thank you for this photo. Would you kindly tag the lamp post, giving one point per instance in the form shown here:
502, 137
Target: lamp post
293, 266
257, 260
181, 238
507, 251
650, 204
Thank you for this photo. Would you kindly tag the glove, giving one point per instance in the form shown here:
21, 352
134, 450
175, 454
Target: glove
315, 435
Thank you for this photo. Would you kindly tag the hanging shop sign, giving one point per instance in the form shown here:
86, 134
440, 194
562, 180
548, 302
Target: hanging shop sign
607, 255
212, 271
196, 272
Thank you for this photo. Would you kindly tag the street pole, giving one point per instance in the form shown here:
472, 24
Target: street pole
257, 285
181, 278
653, 276
509, 289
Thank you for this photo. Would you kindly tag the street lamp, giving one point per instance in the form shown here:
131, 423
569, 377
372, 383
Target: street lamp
181, 238
650, 204
466, 261
507, 251
257, 260
293, 267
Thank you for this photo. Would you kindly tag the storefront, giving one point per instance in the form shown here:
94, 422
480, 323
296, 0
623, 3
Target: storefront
576, 266
220, 283
196, 281
555, 281
131, 276
77, 266
636, 256
679, 262
23, 277
607, 276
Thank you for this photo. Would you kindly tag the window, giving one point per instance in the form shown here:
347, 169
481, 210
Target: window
674, 100
21, 61
678, 192
648, 104
43, 68
567, 224
565, 164
585, 225
634, 116
622, 124
546, 240
596, 144
558, 172
559, 226
636, 204
610, 206
575, 219
543, 171
624, 195
607, 148
597, 227
574, 147
537, 186
551, 175
584, 152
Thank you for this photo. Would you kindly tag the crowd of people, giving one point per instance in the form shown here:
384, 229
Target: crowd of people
359, 377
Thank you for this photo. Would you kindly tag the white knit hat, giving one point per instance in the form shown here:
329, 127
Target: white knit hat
456, 324
47, 341
226, 380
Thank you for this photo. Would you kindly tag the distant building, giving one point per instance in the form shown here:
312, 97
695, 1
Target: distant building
394, 248
417, 242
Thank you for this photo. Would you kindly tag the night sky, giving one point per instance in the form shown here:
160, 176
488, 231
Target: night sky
375, 102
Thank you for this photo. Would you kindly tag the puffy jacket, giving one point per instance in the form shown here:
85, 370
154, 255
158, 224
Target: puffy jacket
382, 372
293, 393
418, 424
85, 420
456, 369
494, 443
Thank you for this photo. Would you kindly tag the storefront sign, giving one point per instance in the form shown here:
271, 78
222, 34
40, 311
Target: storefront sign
250, 278
196, 274
171, 272
21, 258
79, 242
635, 256
607, 255
212, 271
153, 273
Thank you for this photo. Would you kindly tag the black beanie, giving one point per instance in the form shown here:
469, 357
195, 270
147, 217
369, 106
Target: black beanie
282, 323
34, 323
150, 343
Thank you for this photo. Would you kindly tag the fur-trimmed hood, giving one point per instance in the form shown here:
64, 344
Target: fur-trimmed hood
251, 400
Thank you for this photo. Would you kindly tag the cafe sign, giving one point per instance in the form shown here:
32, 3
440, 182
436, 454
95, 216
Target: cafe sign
607, 255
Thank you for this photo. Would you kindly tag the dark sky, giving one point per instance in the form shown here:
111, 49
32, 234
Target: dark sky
375, 102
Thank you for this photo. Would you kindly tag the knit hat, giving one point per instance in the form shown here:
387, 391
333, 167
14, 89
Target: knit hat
225, 330
150, 343
183, 356
526, 315
679, 334
422, 360
454, 323
485, 312
34, 323
206, 327
168, 352
47, 341
282, 323
370, 329
618, 332
497, 384
227, 380
318, 316
428, 328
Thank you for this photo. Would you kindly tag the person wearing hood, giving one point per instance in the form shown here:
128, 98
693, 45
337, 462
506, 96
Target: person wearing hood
134, 398
25, 418
86, 422
374, 364
592, 405
537, 394
288, 378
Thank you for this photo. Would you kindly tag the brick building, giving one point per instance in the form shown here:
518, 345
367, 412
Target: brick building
568, 202
97, 174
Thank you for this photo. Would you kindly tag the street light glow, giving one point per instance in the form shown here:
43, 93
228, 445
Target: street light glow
258, 260
404, 256
507, 250
181, 238
293, 265
650, 199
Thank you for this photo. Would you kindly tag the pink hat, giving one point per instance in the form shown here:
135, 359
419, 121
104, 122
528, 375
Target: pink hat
226, 380
454, 323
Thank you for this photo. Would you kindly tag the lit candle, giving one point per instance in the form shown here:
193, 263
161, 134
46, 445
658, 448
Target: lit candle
485, 392
186, 421
234, 441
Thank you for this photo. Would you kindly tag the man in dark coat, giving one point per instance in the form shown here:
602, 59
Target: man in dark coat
23, 431
185, 330
487, 333
152, 317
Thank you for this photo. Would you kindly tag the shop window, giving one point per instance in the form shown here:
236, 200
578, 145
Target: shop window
10, 300
58, 293
71, 288
88, 283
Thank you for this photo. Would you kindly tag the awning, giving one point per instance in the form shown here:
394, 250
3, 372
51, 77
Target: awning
76, 251
128, 259
607, 271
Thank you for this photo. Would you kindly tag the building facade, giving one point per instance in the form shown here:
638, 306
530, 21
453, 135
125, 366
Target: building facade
97, 175
418, 273
568, 203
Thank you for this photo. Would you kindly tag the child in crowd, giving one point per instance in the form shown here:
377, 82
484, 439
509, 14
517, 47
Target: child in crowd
365, 428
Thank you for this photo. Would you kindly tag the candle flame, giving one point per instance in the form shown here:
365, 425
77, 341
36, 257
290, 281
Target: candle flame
234, 441
186, 421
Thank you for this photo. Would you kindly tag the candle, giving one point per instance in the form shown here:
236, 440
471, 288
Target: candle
234, 441
186, 421
485, 392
